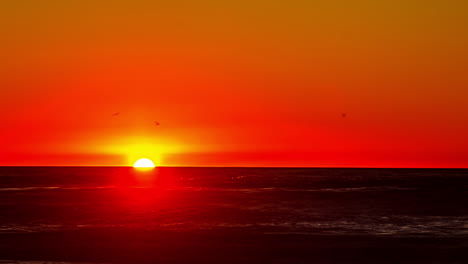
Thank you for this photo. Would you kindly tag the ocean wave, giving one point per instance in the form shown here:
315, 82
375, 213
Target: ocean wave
40, 262
281, 189
35, 188
437, 226
209, 189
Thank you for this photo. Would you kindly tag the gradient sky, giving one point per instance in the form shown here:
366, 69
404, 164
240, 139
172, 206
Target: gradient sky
234, 83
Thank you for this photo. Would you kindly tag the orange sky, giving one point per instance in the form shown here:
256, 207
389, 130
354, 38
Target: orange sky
234, 83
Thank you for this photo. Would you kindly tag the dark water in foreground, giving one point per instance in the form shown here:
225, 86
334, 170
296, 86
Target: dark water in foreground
233, 215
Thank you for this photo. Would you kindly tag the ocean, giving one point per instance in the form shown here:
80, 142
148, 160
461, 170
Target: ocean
233, 215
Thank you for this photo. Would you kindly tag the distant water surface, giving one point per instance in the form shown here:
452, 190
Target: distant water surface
370, 203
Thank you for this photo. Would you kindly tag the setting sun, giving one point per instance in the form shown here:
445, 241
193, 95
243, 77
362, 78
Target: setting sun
144, 163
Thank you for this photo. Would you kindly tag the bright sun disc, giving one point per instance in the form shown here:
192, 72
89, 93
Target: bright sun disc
144, 163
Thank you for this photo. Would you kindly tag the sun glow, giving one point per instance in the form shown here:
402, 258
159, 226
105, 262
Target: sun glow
144, 163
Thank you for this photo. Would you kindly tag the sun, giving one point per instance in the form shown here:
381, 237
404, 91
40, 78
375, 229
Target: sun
144, 163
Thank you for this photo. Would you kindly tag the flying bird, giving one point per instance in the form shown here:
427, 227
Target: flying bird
156, 123
116, 114
344, 115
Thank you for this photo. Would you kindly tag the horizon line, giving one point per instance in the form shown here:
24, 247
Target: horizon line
258, 167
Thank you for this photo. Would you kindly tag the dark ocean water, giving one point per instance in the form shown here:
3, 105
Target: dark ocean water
242, 215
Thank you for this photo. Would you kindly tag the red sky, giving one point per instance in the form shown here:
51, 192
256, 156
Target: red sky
234, 83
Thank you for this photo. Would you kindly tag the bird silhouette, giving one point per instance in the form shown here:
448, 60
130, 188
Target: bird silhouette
116, 114
156, 123
344, 115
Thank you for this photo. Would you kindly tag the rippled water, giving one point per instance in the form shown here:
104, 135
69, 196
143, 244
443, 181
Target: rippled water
376, 202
